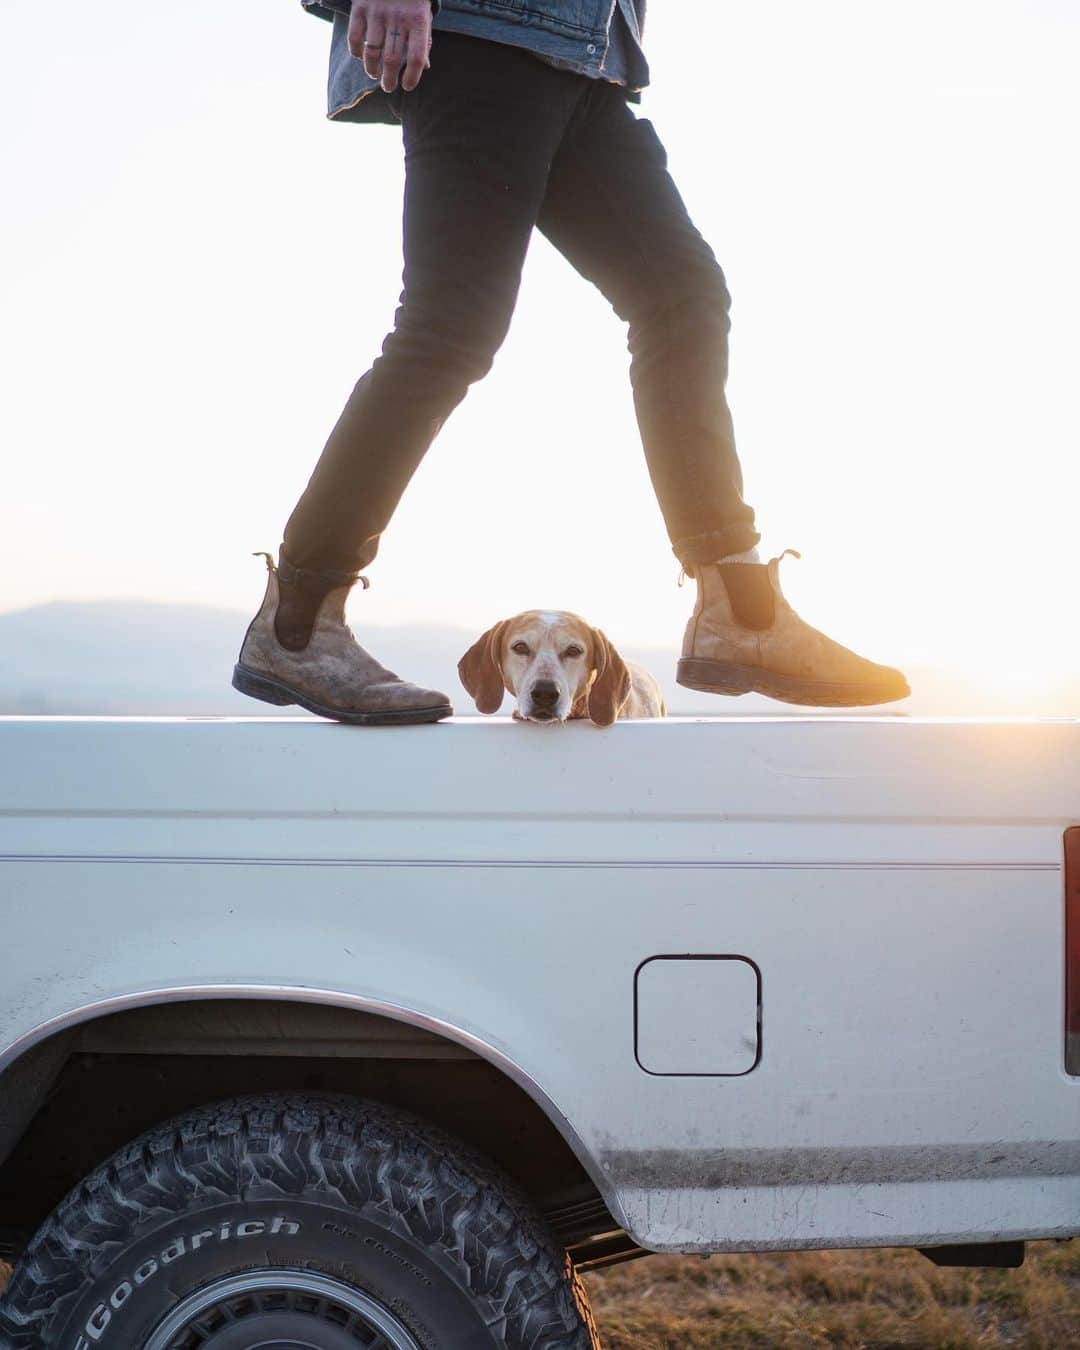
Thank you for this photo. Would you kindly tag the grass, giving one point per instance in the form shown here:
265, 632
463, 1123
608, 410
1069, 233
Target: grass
860, 1300
855, 1300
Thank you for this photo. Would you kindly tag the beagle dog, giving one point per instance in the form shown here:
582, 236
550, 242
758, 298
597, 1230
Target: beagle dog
557, 667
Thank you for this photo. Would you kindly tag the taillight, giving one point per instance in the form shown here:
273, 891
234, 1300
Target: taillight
1072, 950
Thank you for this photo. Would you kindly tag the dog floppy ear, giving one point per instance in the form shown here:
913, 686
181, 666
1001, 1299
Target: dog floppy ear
611, 688
480, 669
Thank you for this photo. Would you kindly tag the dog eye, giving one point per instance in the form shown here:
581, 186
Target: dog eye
522, 648
574, 650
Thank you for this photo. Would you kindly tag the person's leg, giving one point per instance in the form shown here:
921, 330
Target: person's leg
613, 210
479, 131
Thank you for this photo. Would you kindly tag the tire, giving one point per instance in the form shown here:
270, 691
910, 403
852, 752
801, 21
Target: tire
295, 1220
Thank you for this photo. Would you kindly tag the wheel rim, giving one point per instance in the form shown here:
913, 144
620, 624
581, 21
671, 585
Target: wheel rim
280, 1310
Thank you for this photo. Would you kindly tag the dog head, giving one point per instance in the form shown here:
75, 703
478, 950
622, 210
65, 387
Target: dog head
553, 662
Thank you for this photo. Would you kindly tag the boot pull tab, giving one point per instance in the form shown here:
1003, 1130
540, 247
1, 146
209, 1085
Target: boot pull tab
269, 561
364, 583
792, 552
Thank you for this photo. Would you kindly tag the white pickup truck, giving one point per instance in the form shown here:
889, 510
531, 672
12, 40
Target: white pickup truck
329, 1038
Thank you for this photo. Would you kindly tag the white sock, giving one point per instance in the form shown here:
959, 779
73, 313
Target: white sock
750, 556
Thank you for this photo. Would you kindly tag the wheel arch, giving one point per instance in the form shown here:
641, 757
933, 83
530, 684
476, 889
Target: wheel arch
49, 1043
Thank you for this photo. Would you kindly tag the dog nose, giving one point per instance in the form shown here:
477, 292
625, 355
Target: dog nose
545, 694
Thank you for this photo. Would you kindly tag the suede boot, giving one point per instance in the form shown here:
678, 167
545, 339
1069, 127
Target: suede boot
768, 649
299, 650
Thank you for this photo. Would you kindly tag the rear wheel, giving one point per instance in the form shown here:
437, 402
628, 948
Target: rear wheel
295, 1223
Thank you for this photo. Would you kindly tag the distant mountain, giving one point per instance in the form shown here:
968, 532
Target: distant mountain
121, 657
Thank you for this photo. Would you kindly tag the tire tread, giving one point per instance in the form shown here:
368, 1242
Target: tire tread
436, 1189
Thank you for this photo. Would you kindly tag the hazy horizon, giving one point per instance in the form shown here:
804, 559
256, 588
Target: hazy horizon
145, 658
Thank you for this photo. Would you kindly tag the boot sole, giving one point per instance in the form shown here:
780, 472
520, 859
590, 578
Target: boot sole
728, 677
267, 690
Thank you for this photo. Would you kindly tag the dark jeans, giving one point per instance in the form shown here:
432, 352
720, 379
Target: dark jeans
497, 142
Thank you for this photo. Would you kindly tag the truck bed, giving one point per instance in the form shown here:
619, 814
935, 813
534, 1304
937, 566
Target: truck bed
779, 983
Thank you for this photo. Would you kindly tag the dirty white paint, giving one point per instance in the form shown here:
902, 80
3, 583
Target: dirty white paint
897, 884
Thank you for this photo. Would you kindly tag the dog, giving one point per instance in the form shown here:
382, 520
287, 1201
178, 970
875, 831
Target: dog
558, 667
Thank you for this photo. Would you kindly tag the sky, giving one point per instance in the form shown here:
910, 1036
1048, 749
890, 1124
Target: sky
197, 266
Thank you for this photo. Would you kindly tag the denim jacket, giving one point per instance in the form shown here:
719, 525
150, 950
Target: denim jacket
574, 32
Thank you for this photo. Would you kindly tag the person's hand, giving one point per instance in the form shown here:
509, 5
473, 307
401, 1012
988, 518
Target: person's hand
389, 34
